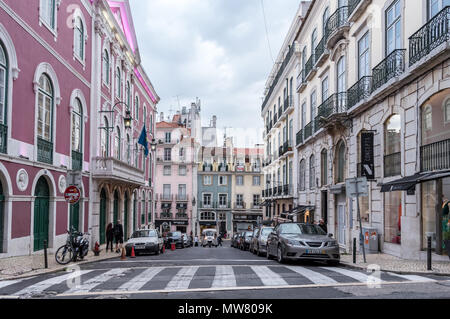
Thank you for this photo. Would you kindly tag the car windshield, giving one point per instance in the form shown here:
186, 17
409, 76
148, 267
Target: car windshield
266, 232
301, 229
174, 234
144, 233
248, 234
209, 233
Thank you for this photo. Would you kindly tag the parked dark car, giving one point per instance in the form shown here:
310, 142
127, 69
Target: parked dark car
245, 240
294, 241
176, 238
254, 235
259, 243
235, 240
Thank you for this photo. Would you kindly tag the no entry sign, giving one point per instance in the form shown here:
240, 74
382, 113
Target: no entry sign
72, 194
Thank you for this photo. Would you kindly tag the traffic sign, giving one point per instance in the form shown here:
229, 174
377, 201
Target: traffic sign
356, 187
72, 194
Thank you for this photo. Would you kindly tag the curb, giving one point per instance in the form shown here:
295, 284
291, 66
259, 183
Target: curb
353, 266
43, 271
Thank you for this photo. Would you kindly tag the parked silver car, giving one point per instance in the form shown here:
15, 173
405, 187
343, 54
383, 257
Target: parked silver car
259, 241
295, 241
145, 241
252, 241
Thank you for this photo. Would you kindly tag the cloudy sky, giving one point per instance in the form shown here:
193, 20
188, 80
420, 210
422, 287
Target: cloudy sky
216, 50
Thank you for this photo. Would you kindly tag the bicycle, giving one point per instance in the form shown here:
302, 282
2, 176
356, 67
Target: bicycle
76, 245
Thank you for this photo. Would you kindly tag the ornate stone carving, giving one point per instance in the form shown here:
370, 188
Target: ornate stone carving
62, 184
22, 180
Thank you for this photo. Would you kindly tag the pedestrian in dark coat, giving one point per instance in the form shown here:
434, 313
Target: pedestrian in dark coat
118, 235
109, 236
219, 240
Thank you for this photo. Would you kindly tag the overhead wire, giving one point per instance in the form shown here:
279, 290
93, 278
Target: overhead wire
267, 32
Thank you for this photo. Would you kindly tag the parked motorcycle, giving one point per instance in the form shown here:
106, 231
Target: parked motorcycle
77, 246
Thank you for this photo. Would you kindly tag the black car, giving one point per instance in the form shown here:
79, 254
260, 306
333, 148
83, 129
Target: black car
234, 240
175, 238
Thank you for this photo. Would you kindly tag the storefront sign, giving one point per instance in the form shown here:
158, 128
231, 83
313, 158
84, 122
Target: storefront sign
202, 223
367, 156
72, 195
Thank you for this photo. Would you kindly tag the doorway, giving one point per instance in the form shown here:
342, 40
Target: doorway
102, 217
324, 207
41, 213
125, 218
2, 216
74, 218
341, 220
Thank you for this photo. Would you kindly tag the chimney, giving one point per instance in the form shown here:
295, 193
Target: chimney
161, 117
214, 121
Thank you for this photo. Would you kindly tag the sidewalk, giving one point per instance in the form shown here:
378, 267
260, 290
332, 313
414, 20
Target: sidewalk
27, 266
397, 265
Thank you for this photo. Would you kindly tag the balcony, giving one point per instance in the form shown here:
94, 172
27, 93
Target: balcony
278, 76
165, 198
181, 216
77, 161
435, 156
301, 81
206, 205
223, 205
392, 66
299, 137
109, 168
3, 138
182, 198
335, 104
321, 53
310, 70
165, 216
392, 164
360, 91
287, 147
256, 206
240, 205
207, 168
430, 36
356, 8
308, 130
336, 27
45, 151
289, 103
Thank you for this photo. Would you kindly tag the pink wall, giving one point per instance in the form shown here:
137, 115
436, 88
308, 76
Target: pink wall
21, 219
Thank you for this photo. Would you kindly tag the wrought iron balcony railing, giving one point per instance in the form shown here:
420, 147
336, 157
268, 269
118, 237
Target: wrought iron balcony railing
299, 137
308, 130
166, 197
3, 138
320, 49
392, 164
309, 66
77, 161
352, 4
335, 104
239, 205
280, 112
430, 36
181, 216
182, 198
301, 79
165, 216
45, 151
275, 119
435, 156
392, 66
278, 76
287, 147
336, 21
360, 91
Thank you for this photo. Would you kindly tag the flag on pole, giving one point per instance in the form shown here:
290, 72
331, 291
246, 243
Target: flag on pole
143, 140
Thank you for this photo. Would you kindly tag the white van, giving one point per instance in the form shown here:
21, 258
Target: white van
209, 237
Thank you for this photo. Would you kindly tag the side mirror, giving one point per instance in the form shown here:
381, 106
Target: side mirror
330, 235
273, 233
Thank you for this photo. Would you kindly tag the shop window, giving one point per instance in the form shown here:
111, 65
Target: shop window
392, 217
447, 110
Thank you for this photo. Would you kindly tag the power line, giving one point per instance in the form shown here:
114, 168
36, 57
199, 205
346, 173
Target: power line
267, 32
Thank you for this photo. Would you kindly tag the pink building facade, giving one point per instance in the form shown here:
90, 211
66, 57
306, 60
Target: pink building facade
54, 100
176, 175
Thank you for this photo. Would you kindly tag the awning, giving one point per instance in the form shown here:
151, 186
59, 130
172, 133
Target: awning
409, 183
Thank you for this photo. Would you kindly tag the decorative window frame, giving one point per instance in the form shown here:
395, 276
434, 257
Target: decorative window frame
444, 107
82, 59
53, 30
78, 94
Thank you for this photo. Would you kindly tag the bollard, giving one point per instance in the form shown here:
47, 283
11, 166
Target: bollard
45, 255
429, 253
354, 250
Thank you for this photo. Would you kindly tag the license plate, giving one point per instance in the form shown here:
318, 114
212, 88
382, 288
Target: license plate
139, 247
315, 251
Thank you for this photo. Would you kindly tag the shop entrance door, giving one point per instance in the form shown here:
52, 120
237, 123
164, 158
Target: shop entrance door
102, 217
75, 216
41, 214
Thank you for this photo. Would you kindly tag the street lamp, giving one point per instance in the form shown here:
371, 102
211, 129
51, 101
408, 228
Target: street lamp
153, 145
127, 120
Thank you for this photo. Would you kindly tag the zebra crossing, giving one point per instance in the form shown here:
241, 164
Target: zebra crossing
203, 277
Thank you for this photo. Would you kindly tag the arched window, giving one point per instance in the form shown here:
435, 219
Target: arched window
128, 150
447, 110
136, 108
45, 119
325, 17
77, 135
302, 175
106, 67
313, 41
117, 140
79, 38
128, 97
427, 118
118, 82
392, 146
48, 12
104, 138
3, 86
312, 172
324, 167
342, 85
340, 162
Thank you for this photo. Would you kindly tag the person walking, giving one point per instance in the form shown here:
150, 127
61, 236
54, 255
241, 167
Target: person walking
118, 235
109, 236
219, 240
196, 241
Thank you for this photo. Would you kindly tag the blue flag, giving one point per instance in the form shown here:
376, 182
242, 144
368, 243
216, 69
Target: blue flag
143, 140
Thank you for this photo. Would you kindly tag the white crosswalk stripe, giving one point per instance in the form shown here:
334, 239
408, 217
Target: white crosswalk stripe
182, 279
94, 282
43, 285
7, 283
268, 277
354, 274
313, 276
412, 277
140, 280
224, 277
